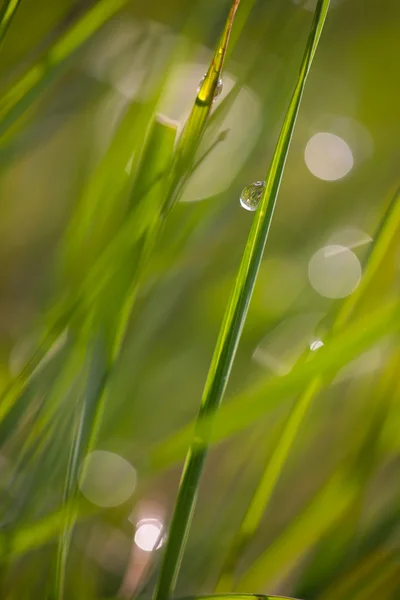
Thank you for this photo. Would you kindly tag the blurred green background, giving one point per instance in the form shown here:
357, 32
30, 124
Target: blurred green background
335, 190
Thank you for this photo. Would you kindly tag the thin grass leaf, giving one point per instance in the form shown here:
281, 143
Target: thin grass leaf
265, 397
332, 556
98, 372
21, 95
134, 227
358, 575
157, 156
234, 318
231, 418
319, 516
385, 235
7, 13
195, 126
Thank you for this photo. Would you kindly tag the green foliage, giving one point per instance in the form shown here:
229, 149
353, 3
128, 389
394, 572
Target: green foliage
300, 493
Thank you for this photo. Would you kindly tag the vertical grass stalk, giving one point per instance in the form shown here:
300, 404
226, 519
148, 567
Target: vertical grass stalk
7, 14
232, 325
386, 233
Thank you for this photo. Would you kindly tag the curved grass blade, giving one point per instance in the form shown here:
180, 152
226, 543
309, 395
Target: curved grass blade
195, 126
136, 224
6, 16
231, 418
265, 397
385, 235
98, 372
319, 516
233, 322
19, 97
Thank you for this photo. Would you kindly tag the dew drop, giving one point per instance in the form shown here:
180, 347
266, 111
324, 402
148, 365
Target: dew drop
218, 89
315, 345
251, 195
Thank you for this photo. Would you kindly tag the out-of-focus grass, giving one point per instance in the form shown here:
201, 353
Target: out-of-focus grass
118, 306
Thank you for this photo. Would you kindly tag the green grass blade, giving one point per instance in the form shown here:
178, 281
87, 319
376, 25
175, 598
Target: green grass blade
265, 397
234, 318
98, 371
6, 16
387, 232
195, 126
231, 418
157, 156
19, 97
385, 235
319, 516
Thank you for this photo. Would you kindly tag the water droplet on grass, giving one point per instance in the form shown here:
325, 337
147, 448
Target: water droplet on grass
315, 345
218, 89
251, 195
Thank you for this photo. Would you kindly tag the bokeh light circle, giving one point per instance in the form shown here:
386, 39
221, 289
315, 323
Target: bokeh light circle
148, 534
106, 479
328, 156
334, 271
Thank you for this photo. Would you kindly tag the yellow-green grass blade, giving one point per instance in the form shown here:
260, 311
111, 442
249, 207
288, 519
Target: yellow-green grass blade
345, 587
19, 97
319, 517
97, 374
385, 235
7, 13
157, 157
132, 229
235, 314
231, 418
331, 557
195, 126
114, 256
266, 396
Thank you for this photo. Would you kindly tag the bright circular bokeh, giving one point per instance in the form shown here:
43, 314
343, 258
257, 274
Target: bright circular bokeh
328, 156
148, 534
334, 271
106, 479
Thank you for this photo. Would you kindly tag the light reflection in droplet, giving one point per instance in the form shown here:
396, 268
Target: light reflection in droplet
148, 534
251, 195
218, 89
328, 156
279, 350
106, 478
216, 169
316, 344
334, 271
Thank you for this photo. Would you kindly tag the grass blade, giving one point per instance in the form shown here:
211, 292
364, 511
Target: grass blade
265, 397
385, 235
19, 97
233, 322
195, 126
97, 374
6, 16
319, 516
